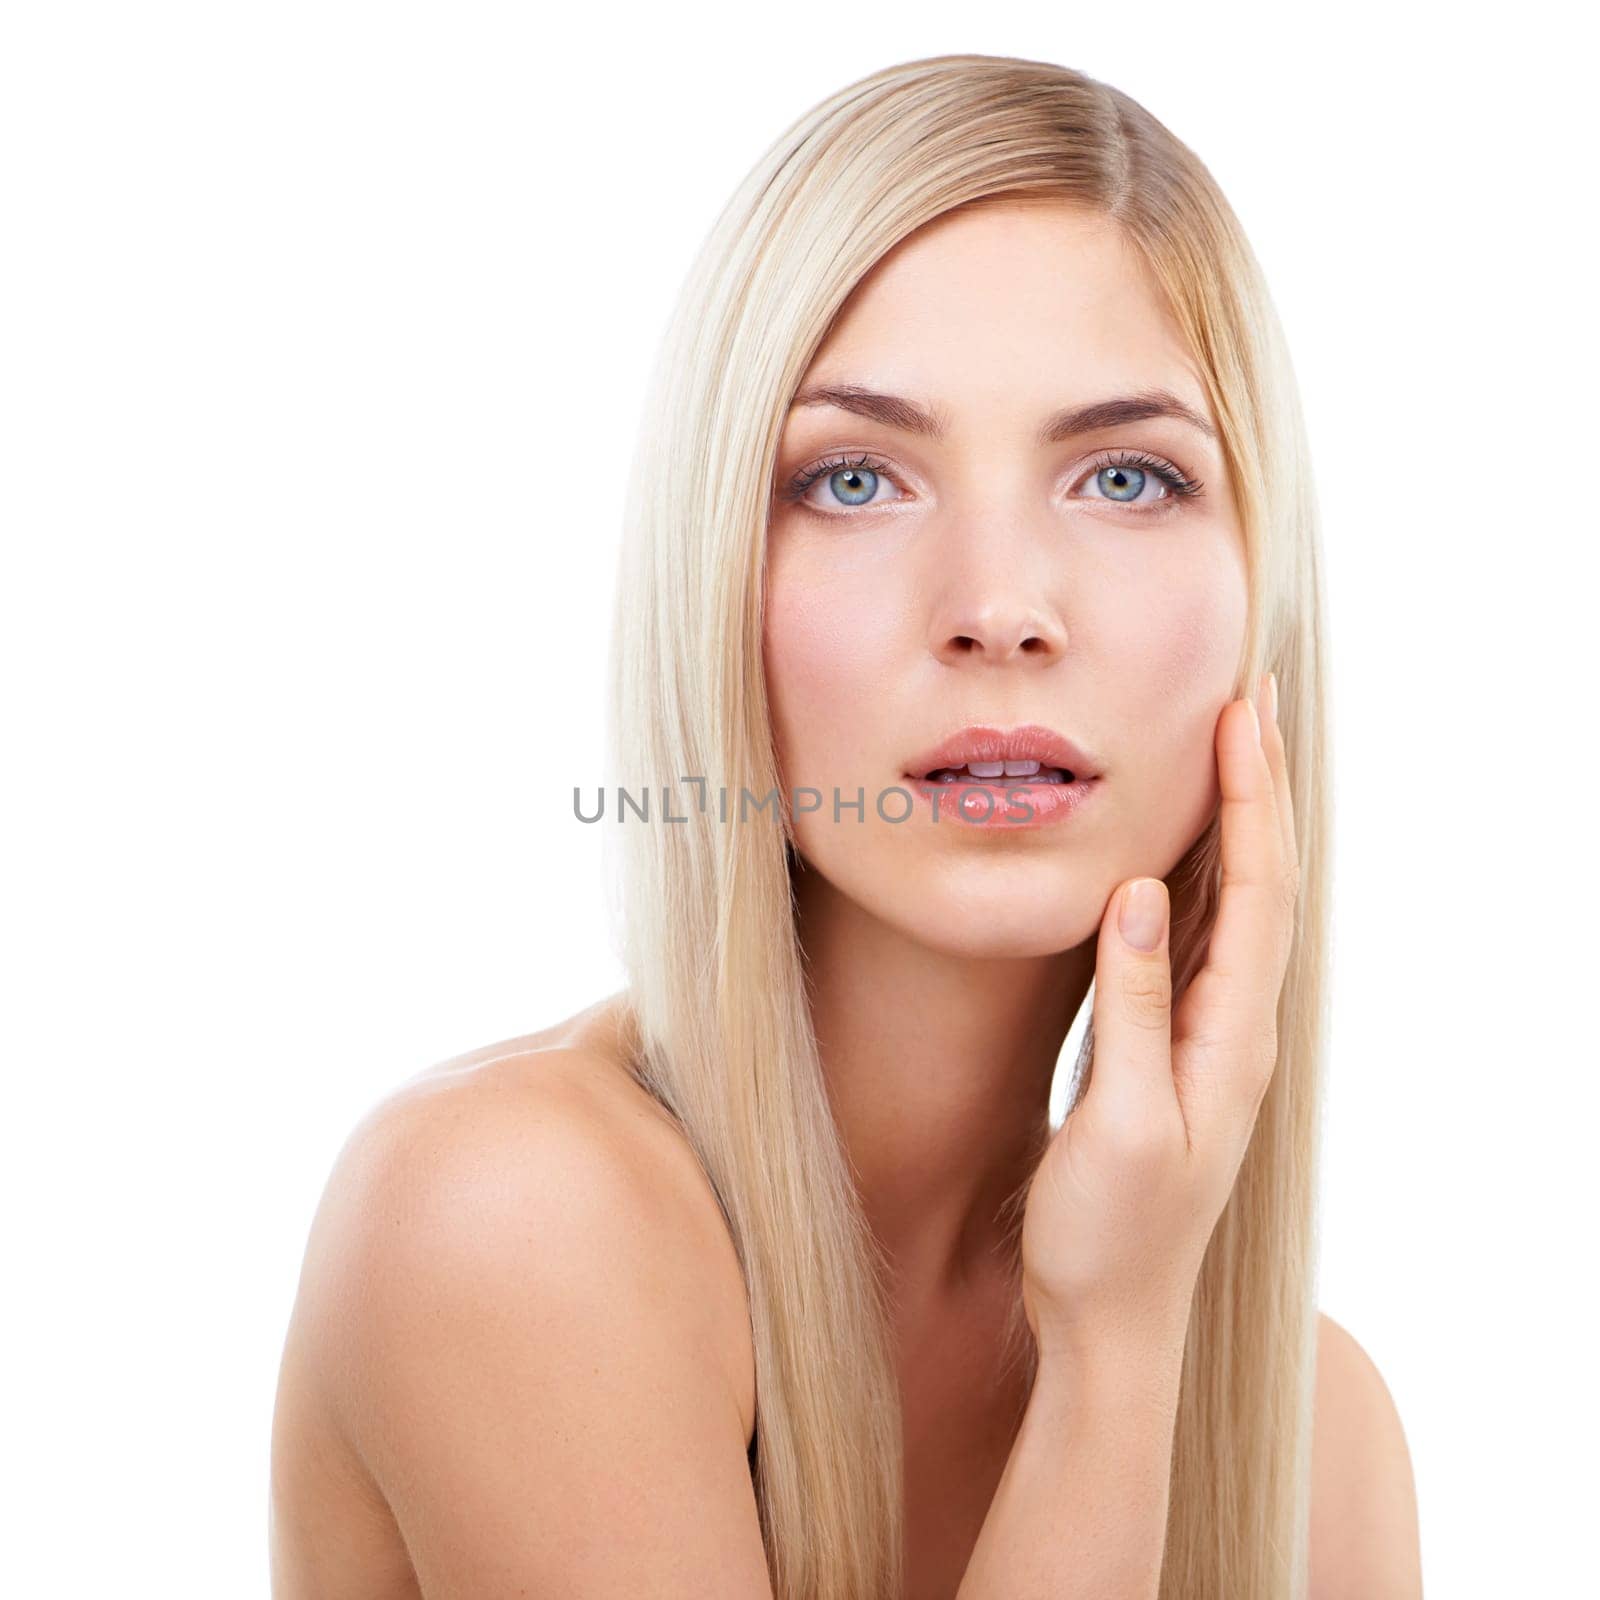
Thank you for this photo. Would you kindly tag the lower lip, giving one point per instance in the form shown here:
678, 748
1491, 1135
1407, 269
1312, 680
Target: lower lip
972, 803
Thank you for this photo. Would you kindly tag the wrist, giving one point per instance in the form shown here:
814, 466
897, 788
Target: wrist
1132, 1410
1126, 1367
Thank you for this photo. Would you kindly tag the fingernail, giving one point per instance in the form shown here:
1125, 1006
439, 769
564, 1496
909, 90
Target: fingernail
1272, 703
1255, 717
1143, 913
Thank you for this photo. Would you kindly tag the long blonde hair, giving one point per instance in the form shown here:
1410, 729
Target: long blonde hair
721, 1031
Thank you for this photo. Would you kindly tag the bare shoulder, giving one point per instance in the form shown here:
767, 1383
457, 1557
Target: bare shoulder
1364, 1532
556, 1118
528, 1314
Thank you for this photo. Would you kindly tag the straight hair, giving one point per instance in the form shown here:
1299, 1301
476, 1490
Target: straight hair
719, 1027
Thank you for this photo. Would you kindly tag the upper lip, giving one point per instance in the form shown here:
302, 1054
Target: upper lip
1030, 742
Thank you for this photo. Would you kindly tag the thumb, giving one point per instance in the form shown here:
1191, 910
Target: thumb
1133, 1007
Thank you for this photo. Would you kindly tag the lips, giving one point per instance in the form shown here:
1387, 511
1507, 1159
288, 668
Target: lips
989, 747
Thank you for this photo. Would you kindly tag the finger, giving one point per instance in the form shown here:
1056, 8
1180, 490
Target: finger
1132, 1083
1278, 761
1231, 1005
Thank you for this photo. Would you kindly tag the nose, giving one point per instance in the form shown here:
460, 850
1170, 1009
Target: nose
996, 623
996, 575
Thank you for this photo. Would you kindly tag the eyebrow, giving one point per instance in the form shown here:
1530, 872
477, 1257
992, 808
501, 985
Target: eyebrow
910, 417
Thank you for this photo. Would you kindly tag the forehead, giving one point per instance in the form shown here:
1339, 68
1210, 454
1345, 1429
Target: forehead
1017, 304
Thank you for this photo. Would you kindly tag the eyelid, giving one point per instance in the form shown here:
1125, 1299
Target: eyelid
837, 461
1178, 484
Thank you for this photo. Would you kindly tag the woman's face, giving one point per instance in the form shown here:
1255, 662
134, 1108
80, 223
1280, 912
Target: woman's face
923, 583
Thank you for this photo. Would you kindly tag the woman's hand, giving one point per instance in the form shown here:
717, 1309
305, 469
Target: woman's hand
1125, 1200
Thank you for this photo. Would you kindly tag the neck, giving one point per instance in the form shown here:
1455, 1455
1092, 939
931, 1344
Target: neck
938, 1066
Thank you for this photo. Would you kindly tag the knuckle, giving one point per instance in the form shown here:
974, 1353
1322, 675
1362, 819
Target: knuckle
1263, 1062
1145, 992
1289, 886
1288, 916
1243, 1087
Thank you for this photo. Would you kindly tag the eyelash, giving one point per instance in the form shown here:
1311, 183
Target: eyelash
1180, 485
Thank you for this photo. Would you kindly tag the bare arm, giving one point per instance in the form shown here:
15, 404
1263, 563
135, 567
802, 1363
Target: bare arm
528, 1343
1081, 1509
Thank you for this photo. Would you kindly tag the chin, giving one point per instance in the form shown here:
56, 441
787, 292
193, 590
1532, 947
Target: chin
994, 921
973, 904
1002, 942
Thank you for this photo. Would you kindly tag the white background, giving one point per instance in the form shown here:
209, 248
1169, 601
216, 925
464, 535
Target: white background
325, 329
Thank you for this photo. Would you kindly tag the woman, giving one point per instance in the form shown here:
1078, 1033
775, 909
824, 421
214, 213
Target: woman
970, 620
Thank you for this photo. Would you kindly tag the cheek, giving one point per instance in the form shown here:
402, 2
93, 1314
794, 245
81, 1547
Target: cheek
1194, 653
825, 645
1175, 643
1176, 659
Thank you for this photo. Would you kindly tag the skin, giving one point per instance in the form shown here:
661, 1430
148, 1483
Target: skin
992, 581
983, 577
518, 1277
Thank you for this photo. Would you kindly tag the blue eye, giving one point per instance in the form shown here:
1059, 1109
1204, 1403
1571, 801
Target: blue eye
854, 486
1120, 483
1120, 477
850, 483
1123, 478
